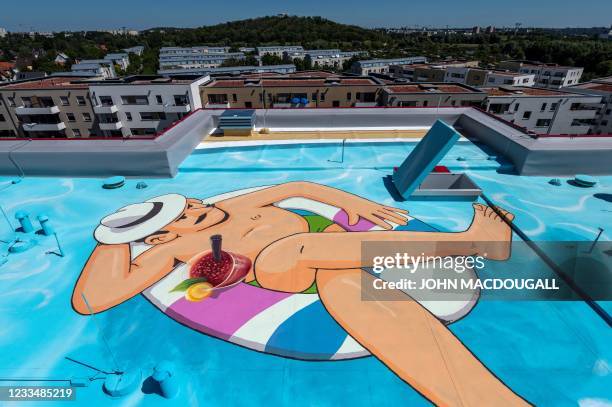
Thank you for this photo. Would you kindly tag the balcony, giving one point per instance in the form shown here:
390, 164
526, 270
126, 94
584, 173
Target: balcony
186, 108
22, 110
111, 126
44, 126
105, 109
217, 105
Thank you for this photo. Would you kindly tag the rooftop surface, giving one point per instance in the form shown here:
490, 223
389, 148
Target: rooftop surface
46, 83
548, 352
291, 82
526, 91
431, 88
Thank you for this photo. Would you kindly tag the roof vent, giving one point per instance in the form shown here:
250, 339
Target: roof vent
161, 80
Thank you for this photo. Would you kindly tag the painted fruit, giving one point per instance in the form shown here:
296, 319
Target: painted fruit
220, 268
198, 292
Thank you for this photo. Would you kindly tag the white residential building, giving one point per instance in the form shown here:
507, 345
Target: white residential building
198, 50
382, 65
549, 76
506, 78
94, 67
120, 58
195, 60
3, 32
61, 58
601, 87
278, 50
138, 50
234, 70
329, 57
544, 111
144, 105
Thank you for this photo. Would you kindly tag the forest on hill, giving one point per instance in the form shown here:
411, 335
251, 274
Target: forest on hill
588, 51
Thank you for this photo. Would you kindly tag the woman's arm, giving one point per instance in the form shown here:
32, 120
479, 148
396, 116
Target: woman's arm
353, 205
110, 277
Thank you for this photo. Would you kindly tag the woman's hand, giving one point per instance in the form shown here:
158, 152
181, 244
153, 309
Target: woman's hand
375, 213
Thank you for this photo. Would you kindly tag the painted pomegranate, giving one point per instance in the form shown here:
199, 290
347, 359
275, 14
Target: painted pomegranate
220, 268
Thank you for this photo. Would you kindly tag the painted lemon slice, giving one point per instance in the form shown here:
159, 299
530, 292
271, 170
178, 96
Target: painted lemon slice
198, 292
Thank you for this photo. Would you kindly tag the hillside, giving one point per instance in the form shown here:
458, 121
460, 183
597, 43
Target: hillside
311, 32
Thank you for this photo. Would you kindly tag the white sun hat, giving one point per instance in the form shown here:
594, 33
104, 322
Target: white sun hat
137, 221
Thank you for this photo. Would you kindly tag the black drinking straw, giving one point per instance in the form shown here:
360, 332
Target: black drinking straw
215, 242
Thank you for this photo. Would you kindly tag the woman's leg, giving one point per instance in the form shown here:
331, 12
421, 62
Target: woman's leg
411, 342
290, 264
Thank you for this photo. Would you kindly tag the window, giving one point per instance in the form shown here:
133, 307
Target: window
70, 117
575, 106
516, 107
425, 103
543, 107
11, 101
27, 102
543, 123
106, 100
314, 97
76, 132
64, 101
526, 115
152, 116
135, 100
234, 97
87, 117
181, 100
553, 106
158, 99
322, 97
604, 122
336, 103
128, 116
348, 95
80, 100
248, 105
608, 111
2, 119
218, 98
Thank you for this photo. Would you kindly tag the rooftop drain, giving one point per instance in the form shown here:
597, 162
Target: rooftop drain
585, 181
113, 182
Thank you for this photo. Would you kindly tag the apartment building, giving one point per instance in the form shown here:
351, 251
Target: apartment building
143, 105
196, 61
185, 51
95, 68
298, 90
546, 111
550, 76
465, 72
602, 123
366, 67
431, 95
122, 59
138, 50
431, 72
279, 50
230, 70
319, 58
48, 107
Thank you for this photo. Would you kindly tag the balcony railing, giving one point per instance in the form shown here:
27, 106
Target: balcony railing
177, 108
105, 109
22, 110
44, 126
111, 126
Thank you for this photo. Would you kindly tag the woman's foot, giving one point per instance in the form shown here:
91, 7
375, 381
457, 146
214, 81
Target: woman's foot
490, 231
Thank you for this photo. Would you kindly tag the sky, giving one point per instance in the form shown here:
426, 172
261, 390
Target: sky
57, 15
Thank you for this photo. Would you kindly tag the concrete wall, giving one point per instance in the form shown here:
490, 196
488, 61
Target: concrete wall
102, 158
